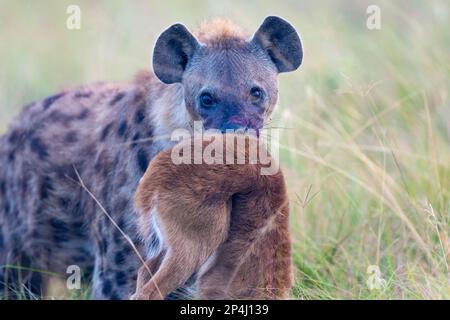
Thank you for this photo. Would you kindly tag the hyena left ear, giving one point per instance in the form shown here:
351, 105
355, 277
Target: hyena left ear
281, 42
173, 50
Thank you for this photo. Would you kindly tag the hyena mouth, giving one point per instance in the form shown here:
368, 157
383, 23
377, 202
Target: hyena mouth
243, 125
231, 128
243, 131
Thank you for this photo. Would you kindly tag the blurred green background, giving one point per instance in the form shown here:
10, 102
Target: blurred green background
365, 122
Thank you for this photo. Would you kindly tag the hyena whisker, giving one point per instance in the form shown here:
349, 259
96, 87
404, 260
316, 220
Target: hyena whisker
277, 128
273, 123
127, 238
151, 139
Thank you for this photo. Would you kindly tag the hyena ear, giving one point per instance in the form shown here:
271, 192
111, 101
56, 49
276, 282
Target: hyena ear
173, 49
281, 42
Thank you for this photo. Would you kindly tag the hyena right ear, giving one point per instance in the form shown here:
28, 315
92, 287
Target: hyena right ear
173, 49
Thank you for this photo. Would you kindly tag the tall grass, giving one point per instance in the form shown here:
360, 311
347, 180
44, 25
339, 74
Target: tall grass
365, 123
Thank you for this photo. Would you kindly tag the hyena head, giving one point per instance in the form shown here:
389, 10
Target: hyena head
229, 80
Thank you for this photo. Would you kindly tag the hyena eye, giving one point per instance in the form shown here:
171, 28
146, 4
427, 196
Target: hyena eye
206, 100
256, 94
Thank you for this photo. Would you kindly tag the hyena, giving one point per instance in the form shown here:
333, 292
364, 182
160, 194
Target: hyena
71, 157
232, 232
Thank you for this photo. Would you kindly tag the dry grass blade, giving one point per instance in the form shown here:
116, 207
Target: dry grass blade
127, 238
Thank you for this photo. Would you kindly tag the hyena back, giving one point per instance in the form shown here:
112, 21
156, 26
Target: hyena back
100, 139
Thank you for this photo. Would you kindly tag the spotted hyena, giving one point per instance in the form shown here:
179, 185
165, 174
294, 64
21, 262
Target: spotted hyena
71, 158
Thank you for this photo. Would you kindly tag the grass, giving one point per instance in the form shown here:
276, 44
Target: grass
364, 123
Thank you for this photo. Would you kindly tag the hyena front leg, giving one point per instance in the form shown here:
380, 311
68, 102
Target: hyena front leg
113, 280
21, 263
116, 262
20, 278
